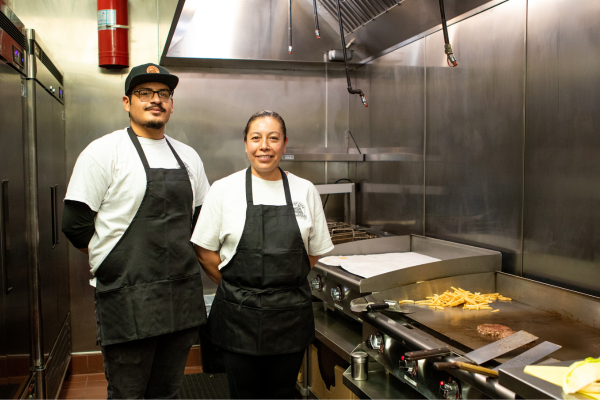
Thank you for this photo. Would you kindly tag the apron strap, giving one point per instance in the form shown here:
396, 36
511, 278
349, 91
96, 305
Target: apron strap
255, 292
181, 164
140, 151
249, 199
138, 147
286, 187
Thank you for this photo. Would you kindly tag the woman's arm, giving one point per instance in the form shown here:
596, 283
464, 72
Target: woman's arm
313, 260
209, 260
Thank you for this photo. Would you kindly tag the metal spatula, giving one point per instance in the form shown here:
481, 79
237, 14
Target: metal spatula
361, 304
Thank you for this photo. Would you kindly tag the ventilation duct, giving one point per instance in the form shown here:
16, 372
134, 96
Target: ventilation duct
358, 13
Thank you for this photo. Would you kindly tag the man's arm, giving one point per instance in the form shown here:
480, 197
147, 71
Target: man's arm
210, 261
78, 224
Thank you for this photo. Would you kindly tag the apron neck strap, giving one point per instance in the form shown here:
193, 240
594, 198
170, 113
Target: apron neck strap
286, 187
140, 151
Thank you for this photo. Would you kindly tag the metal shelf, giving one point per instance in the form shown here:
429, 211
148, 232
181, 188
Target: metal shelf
379, 385
336, 332
347, 154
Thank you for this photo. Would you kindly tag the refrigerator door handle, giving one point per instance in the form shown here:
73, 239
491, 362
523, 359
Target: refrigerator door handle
53, 213
4, 243
56, 222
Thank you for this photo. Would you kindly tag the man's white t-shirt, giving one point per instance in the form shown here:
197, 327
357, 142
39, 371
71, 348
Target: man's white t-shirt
110, 178
223, 213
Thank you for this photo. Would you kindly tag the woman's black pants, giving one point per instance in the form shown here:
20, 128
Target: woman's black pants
261, 377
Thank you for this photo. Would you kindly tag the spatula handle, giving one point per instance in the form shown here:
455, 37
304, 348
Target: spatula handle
377, 306
421, 354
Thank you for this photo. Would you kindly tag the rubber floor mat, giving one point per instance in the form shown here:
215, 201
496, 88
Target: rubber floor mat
204, 386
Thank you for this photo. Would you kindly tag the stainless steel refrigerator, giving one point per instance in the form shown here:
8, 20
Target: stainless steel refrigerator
45, 179
14, 287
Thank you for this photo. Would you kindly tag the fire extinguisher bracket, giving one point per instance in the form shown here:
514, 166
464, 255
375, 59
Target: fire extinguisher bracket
112, 27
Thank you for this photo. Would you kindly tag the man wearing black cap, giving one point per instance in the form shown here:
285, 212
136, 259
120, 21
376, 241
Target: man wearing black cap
130, 205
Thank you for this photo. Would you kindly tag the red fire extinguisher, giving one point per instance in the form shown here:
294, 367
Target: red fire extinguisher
113, 47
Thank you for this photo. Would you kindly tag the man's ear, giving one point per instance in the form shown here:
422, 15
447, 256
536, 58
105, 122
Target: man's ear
126, 104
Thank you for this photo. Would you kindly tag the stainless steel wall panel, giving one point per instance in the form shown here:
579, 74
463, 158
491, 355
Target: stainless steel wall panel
166, 12
475, 123
394, 85
562, 218
212, 110
337, 123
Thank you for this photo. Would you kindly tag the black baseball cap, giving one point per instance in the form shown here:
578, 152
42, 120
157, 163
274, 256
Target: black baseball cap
149, 73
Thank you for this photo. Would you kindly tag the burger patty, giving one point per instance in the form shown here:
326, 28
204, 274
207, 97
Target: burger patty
499, 331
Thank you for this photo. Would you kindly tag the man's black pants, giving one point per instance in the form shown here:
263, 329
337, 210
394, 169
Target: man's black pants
149, 368
261, 377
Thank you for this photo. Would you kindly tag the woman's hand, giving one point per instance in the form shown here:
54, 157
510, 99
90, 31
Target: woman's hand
209, 260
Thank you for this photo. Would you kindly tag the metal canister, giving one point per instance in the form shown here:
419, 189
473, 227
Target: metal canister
360, 365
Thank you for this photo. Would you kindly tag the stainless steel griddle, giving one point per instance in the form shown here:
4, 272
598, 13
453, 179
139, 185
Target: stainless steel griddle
578, 339
568, 319
337, 287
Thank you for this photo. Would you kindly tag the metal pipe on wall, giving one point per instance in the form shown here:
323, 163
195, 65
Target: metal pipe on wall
363, 98
447, 47
290, 26
316, 20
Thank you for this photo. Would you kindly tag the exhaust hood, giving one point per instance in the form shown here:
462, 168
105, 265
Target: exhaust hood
254, 33
242, 30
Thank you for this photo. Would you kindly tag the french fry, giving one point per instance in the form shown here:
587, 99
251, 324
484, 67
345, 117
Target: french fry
470, 301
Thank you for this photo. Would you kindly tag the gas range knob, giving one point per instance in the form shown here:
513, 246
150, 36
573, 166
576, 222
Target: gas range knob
450, 389
411, 367
337, 294
316, 284
375, 342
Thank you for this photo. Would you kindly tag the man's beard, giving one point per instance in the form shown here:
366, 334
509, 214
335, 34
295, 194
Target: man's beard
154, 124
150, 124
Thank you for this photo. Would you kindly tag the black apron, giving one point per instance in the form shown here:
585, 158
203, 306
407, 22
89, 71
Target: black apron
150, 283
263, 304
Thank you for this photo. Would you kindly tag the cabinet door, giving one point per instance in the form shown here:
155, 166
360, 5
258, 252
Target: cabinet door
61, 247
14, 292
47, 218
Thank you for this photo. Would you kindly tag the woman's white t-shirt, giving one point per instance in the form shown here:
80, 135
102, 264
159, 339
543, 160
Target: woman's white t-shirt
223, 213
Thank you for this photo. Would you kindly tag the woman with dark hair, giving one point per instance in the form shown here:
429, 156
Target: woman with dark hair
259, 233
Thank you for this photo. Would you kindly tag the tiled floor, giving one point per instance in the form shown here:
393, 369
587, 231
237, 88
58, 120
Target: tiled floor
93, 386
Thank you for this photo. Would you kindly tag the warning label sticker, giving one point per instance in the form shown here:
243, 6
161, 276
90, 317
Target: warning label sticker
107, 19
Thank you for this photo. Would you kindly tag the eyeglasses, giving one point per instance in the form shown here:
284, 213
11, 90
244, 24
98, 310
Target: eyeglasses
147, 95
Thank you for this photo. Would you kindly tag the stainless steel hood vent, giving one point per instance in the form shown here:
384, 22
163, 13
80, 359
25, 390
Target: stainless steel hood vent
254, 33
217, 32
357, 13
